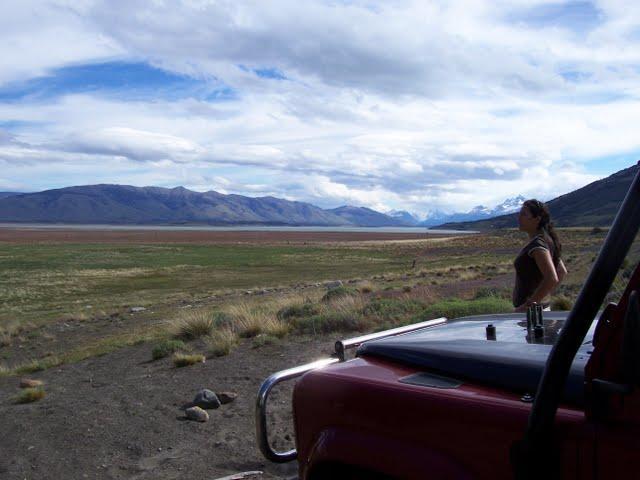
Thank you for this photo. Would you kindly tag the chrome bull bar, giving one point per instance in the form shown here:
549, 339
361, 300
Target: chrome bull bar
291, 373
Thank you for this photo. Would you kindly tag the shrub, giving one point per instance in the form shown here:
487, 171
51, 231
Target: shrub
392, 309
406, 288
366, 287
561, 302
221, 342
29, 395
485, 292
38, 365
222, 320
339, 292
184, 360
596, 230
166, 348
195, 324
298, 310
264, 339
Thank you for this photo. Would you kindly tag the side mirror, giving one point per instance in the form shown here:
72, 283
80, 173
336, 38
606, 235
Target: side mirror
631, 342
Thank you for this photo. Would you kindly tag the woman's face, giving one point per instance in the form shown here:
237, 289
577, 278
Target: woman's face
526, 221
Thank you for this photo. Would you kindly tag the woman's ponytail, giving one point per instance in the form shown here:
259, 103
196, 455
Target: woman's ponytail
539, 209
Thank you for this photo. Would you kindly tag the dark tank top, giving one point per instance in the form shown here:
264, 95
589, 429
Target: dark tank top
528, 275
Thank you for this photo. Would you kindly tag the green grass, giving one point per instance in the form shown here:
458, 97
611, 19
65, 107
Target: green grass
46, 283
52, 281
455, 307
166, 348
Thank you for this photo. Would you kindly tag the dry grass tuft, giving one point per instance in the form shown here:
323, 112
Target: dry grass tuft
184, 360
250, 320
194, 324
37, 365
366, 287
29, 395
221, 342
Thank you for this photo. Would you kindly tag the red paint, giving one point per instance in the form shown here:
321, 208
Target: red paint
357, 413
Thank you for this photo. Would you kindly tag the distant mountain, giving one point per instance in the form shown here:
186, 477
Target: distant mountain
121, 204
365, 217
476, 213
8, 194
593, 205
405, 217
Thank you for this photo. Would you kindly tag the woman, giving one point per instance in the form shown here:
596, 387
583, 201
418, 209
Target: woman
539, 268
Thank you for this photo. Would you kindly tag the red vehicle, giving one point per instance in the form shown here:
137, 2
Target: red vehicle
460, 399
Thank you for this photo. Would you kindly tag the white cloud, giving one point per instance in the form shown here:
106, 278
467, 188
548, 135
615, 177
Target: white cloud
412, 105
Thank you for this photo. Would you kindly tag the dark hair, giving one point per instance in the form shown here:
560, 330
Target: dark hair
539, 209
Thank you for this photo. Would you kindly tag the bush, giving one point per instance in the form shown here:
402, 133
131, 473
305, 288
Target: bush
38, 365
298, 310
454, 307
264, 339
561, 302
366, 287
406, 288
485, 292
166, 348
221, 342
29, 395
596, 230
183, 360
393, 309
222, 320
339, 292
195, 324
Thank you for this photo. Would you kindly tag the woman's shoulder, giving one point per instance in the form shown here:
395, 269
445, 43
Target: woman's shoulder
539, 241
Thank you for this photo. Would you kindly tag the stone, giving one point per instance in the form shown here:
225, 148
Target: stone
30, 383
226, 397
197, 414
206, 399
332, 285
137, 309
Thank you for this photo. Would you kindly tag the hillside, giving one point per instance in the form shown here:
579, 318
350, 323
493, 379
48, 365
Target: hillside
121, 204
595, 204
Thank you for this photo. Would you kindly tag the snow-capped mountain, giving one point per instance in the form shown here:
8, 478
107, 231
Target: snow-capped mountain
404, 217
476, 213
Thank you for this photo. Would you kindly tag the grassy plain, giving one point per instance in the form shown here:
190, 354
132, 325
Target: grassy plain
65, 301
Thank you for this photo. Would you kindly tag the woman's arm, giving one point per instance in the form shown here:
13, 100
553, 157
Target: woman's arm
561, 270
550, 278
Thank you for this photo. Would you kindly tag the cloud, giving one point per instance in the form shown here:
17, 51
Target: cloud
423, 106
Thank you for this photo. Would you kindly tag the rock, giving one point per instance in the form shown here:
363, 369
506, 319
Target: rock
30, 383
226, 397
206, 399
334, 284
137, 309
197, 414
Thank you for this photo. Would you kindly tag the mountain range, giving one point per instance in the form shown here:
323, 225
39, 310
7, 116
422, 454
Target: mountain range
593, 205
123, 204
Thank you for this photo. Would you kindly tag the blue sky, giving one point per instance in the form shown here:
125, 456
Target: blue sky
409, 105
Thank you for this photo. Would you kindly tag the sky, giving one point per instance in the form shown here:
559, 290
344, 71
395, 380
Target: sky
392, 105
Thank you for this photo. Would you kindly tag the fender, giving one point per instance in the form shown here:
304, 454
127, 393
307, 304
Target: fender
370, 451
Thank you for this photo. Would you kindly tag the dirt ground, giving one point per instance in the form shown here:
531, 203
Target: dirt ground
119, 416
